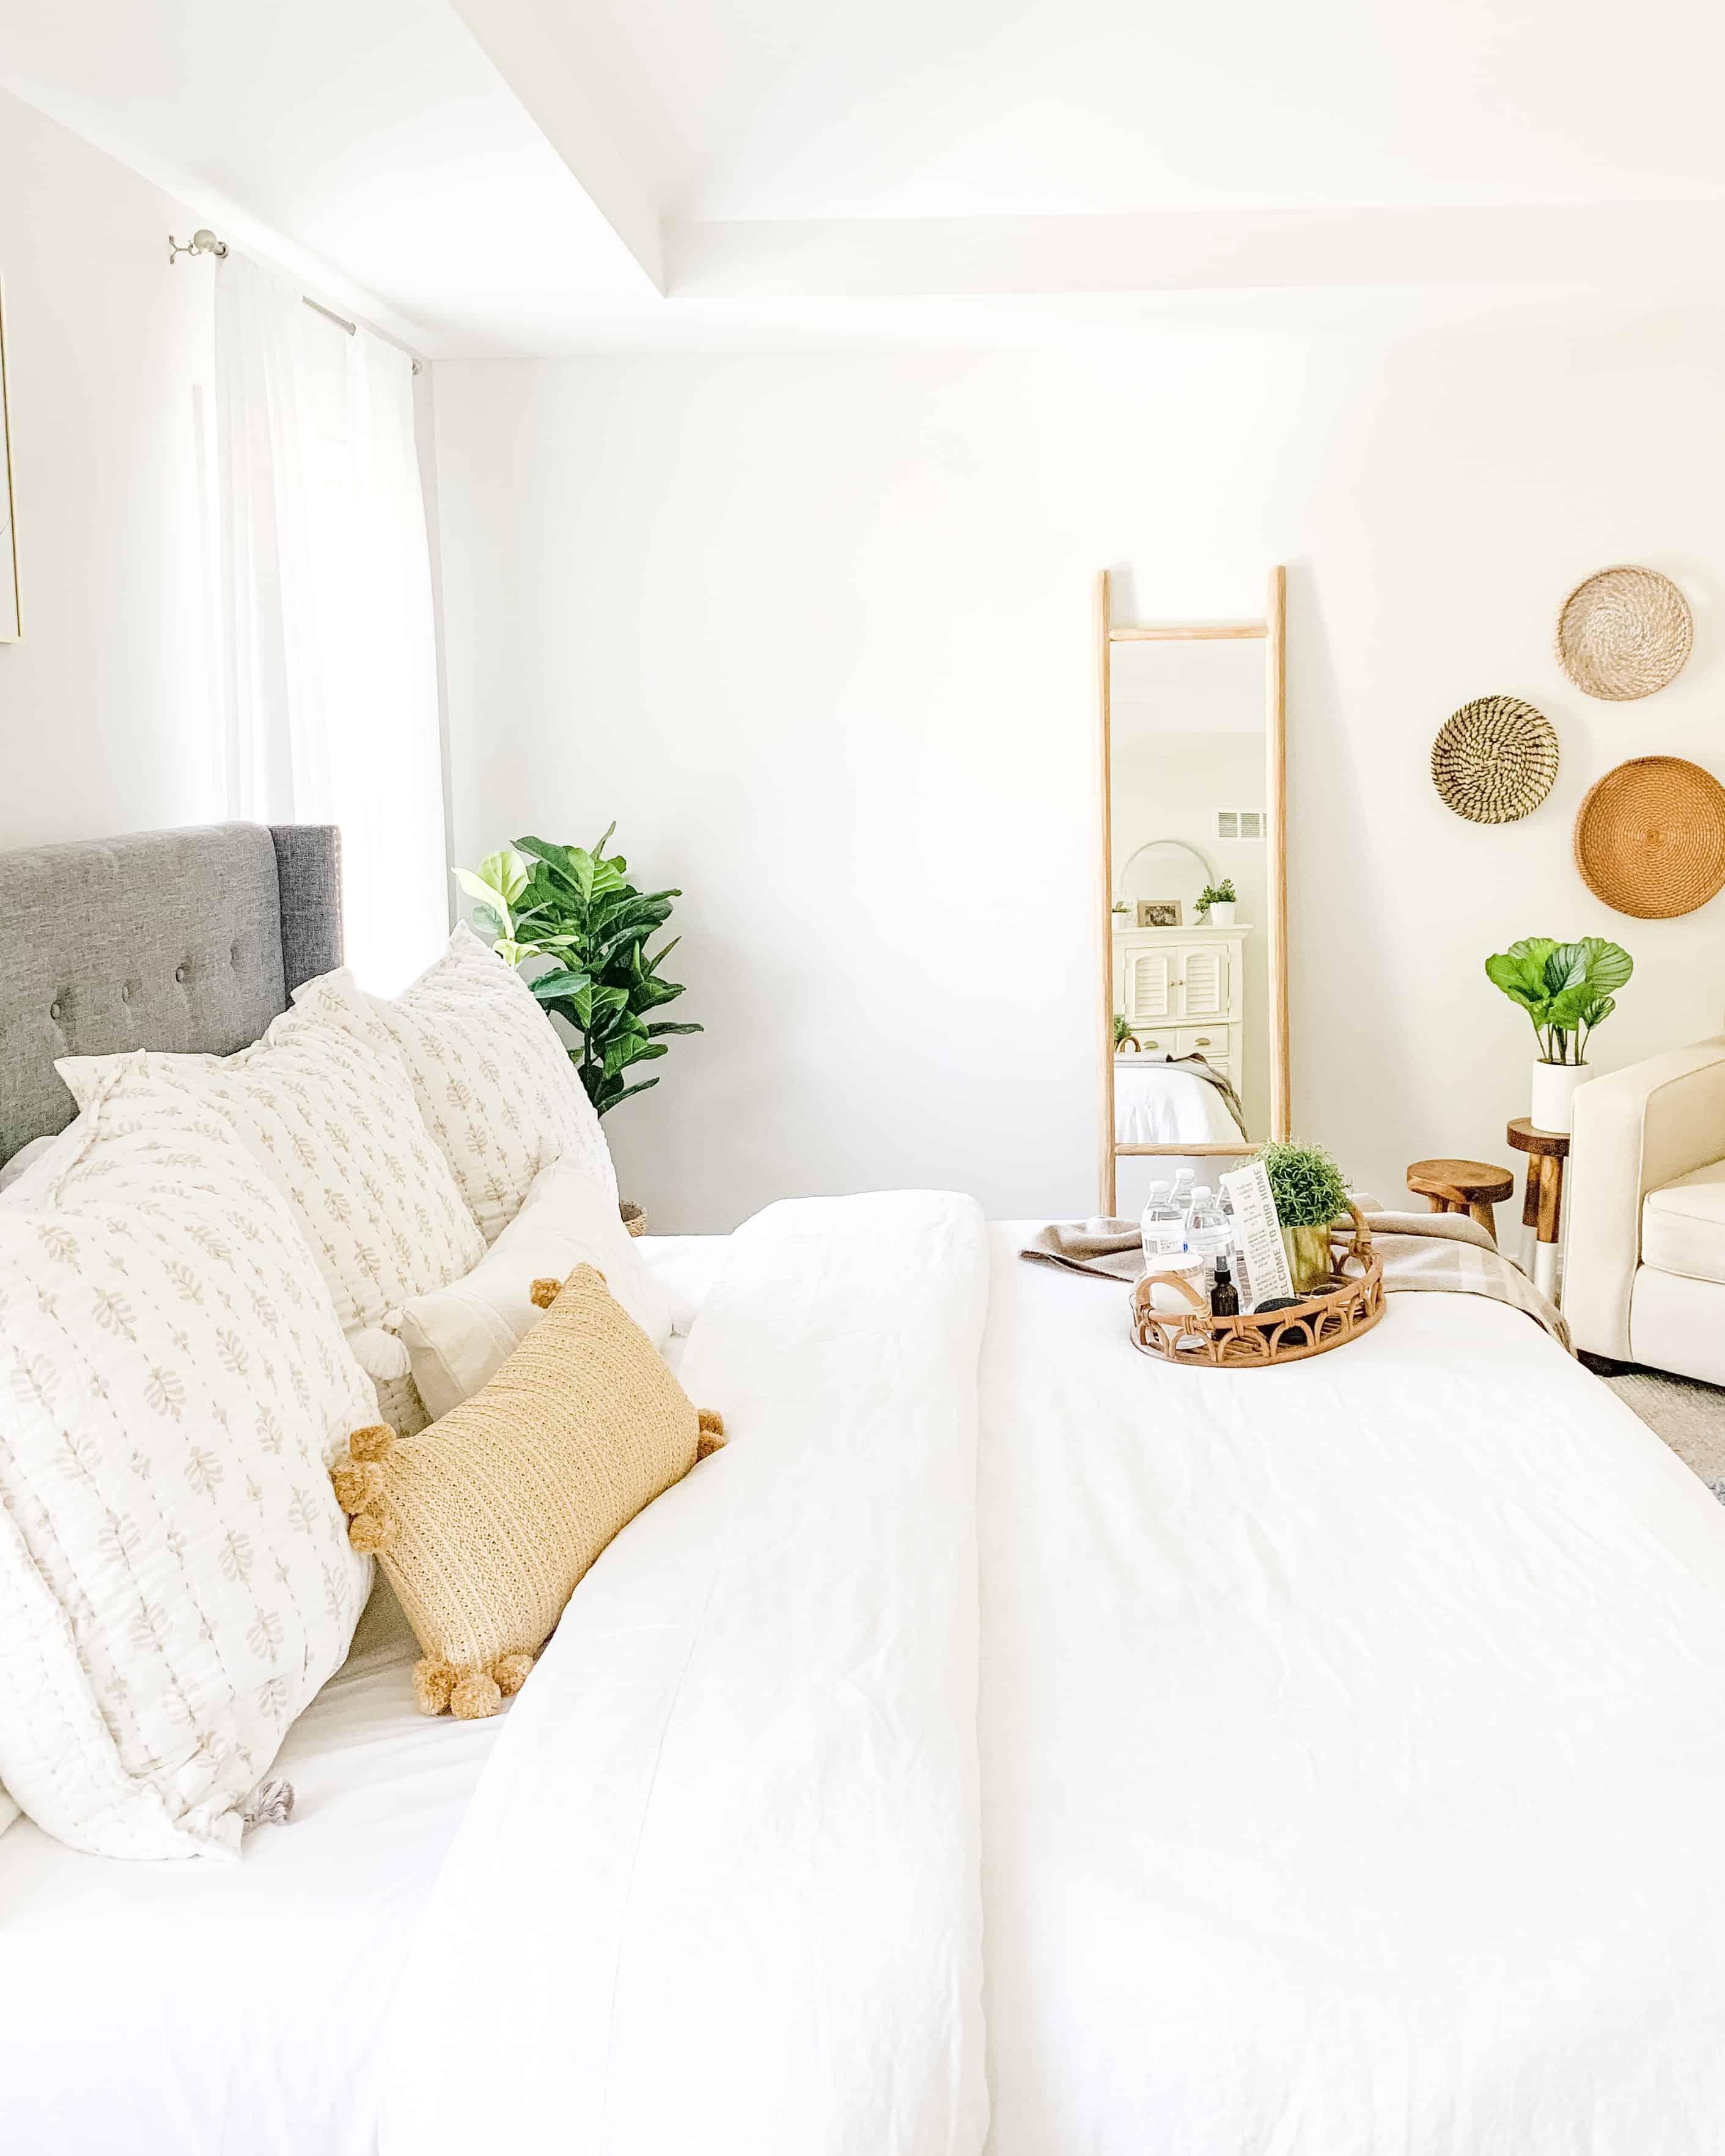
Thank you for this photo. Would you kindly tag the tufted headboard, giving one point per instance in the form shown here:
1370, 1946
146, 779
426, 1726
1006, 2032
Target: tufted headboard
185, 941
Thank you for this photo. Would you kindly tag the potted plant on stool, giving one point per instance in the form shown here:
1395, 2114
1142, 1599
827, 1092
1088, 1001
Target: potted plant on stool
1566, 989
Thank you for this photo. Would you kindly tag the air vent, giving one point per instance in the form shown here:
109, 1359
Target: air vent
1239, 822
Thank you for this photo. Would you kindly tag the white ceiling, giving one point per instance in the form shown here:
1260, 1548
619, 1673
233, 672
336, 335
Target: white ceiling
545, 175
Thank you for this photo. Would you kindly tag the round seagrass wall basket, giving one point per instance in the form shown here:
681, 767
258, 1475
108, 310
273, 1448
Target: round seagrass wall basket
1649, 838
1624, 632
1494, 760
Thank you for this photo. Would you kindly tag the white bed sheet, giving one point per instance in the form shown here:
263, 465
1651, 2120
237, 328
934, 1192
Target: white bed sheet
207, 2010
1157, 1104
212, 2009
1351, 1775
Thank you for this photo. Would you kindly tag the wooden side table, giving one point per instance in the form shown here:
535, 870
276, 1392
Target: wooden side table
1542, 1205
1472, 1187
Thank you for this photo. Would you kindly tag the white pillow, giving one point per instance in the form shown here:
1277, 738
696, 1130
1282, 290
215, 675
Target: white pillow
458, 1338
334, 1120
26, 1157
495, 1083
176, 1580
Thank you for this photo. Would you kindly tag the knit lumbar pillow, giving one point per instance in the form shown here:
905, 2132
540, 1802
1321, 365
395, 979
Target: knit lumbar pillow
486, 1523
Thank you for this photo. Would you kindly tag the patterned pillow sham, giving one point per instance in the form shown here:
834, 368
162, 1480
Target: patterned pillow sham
334, 1121
175, 1581
494, 1082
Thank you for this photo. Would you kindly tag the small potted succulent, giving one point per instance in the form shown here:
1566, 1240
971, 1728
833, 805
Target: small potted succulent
1566, 989
1310, 1195
1216, 902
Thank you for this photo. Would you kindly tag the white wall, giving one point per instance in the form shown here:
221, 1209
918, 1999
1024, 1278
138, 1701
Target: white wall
815, 628
104, 710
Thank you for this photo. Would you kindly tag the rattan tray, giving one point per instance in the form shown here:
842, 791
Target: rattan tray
1194, 1340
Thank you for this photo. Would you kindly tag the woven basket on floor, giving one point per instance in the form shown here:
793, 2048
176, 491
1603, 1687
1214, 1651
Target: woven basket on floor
633, 1219
1494, 760
1624, 632
1649, 838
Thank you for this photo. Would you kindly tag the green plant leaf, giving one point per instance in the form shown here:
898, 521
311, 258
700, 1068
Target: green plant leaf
564, 981
1308, 1186
1520, 973
611, 1099
666, 1025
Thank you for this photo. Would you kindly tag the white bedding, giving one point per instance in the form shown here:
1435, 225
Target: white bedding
205, 2010
1158, 1104
1353, 1755
720, 1887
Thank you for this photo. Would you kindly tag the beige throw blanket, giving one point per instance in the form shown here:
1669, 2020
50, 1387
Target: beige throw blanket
1439, 1253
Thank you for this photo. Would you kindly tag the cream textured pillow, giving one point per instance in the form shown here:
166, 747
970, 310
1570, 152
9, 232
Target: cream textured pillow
334, 1120
495, 1083
484, 1522
458, 1337
175, 1581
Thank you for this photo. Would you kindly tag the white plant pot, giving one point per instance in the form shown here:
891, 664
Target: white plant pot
1553, 1105
1222, 916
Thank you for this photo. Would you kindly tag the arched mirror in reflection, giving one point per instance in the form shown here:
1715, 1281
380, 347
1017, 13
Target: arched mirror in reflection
1192, 893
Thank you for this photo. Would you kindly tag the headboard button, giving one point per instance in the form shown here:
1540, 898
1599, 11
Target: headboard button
53, 1012
182, 973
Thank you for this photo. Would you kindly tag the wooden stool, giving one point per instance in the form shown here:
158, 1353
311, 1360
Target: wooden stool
1543, 1207
1472, 1187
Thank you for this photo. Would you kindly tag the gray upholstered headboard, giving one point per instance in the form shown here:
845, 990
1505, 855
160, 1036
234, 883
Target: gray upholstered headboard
186, 941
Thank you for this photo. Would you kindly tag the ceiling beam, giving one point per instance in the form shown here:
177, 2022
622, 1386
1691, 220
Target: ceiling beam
528, 51
1613, 246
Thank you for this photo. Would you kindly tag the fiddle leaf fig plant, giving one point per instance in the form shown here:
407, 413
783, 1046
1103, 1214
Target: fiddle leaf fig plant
572, 913
1567, 989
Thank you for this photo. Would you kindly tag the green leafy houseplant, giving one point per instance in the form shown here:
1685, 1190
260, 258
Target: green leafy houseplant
1566, 989
1309, 1193
575, 907
1123, 1034
1217, 894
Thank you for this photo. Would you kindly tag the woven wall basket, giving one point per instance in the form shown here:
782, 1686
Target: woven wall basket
1624, 633
1650, 838
1494, 760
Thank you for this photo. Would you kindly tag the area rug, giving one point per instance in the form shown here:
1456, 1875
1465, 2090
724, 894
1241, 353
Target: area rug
1689, 1415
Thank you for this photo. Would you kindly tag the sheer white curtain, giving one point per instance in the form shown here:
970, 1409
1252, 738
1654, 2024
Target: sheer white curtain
327, 666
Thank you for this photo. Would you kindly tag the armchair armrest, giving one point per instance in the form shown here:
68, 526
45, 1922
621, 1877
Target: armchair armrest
1634, 1130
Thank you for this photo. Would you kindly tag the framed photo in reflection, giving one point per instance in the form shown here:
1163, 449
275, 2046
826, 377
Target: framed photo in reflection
1160, 913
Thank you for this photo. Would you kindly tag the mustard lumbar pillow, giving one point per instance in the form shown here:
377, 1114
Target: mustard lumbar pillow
485, 1522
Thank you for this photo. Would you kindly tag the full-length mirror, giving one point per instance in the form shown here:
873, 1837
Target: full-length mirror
1194, 1052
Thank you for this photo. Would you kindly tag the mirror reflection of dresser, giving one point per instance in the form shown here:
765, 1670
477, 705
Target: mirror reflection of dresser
1192, 884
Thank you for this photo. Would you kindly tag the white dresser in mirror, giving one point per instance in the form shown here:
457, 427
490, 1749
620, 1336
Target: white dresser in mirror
1182, 991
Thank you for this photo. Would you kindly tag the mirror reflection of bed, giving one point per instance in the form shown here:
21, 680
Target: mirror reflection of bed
1195, 1068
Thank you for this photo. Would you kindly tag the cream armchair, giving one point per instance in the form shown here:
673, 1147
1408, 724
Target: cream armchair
1644, 1279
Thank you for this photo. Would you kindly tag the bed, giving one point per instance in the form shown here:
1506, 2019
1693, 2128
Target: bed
1156, 1102
1006, 1744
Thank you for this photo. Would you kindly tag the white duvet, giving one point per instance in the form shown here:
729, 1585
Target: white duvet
719, 1890
1352, 1746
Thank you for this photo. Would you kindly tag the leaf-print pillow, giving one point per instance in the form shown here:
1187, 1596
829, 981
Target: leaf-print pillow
334, 1121
494, 1082
175, 1581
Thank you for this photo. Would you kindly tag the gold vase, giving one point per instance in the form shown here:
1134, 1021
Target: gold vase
1308, 1250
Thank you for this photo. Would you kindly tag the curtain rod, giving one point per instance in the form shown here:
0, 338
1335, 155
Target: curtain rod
204, 241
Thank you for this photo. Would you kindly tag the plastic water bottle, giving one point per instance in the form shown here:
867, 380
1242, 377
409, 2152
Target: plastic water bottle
1182, 1191
1208, 1234
1163, 1230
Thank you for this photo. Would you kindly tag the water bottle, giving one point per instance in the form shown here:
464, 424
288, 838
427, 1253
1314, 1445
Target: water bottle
1163, 1230
1182, 1191
1208, 1234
